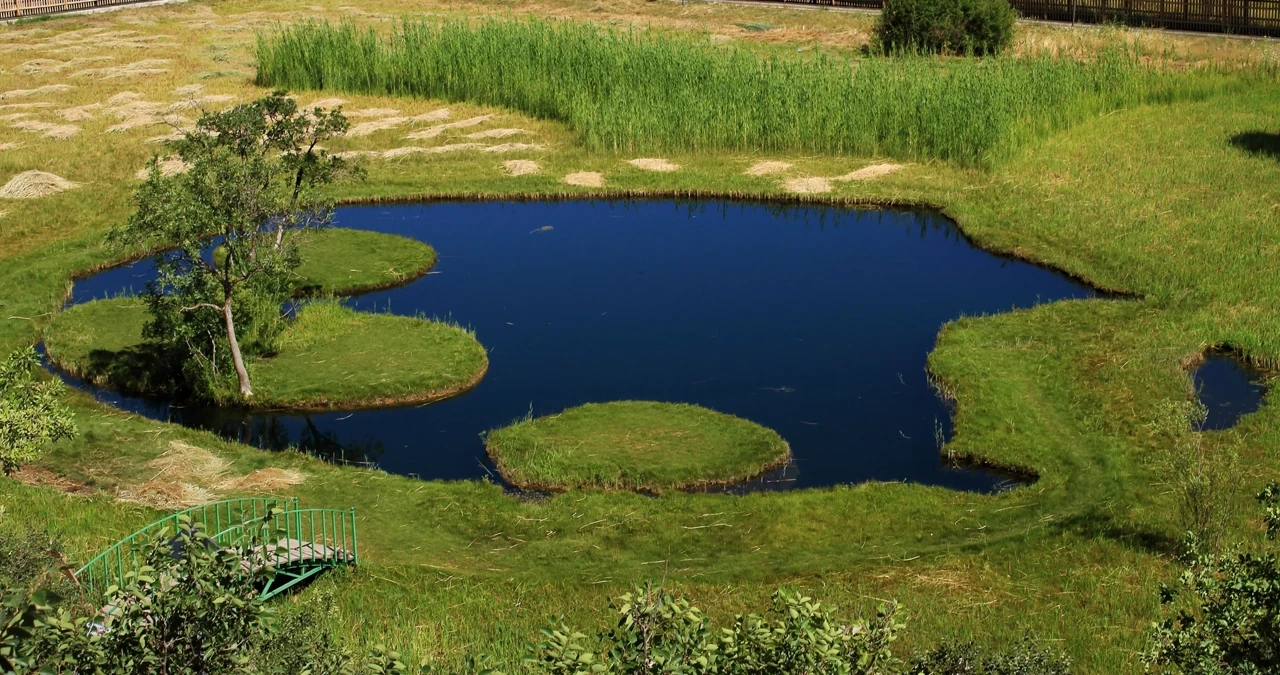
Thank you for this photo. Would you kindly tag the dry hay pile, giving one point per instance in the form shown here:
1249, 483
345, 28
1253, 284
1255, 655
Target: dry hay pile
497, 133
169, 166
80, 113
144, 67
326, 103
38, 66
585, 179
46, 89
521, 167
34, 475
654, 164
35, 184
373, 127
190, 476
59, 132
24, 106
513, 147
807, 186
373, 112
869, 172
9, 146
200, 103
264, 480
432, 132
386, 123
766, 168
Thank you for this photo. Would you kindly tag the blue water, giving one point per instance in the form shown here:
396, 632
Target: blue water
815, 321
1228, 389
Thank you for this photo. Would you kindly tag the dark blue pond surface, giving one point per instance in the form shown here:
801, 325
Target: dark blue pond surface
1228, 389
815, 321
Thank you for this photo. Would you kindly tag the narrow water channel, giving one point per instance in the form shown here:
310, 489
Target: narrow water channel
813, 320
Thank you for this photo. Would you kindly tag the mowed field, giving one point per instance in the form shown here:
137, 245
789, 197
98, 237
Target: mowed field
1176, 205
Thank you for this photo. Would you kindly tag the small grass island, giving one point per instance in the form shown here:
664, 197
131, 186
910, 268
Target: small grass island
339, 261
635, 445
330, 356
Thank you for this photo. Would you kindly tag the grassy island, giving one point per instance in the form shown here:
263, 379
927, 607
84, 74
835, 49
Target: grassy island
339, 261
635, 445
329, 357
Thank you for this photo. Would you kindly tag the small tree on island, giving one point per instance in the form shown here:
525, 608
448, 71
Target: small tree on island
253, 179
31, 413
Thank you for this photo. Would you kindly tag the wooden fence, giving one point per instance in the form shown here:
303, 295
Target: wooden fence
1234, 17
17, 9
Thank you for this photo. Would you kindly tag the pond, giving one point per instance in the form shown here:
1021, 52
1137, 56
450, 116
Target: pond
815, 321
1228, 389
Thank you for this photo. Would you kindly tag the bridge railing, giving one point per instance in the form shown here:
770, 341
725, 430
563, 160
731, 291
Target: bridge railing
17, 9
220, 519
316, 535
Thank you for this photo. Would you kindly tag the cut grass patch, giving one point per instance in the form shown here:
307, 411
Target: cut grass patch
635, 445
329, 357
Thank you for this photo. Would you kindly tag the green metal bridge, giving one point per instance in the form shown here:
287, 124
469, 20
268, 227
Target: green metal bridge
304, 542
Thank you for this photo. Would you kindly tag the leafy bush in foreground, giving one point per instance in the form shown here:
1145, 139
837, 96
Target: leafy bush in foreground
978, 27
1228, 616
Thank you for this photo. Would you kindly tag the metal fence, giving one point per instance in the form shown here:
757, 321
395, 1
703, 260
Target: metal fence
18, 9
1233, 17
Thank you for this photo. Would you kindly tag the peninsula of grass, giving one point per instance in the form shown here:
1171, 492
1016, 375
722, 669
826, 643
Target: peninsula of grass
635, 445
339, 261
329, 356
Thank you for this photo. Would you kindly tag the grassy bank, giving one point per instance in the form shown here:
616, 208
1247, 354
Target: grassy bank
329, 356
634, 445
649, 91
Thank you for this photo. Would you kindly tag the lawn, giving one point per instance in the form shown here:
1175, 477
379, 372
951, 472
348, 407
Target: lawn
634, 445
1173, 204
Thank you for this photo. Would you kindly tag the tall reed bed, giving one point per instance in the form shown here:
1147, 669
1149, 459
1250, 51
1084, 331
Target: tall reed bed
649, 91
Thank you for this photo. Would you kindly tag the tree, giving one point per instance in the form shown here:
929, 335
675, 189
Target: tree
31, 413
254, 180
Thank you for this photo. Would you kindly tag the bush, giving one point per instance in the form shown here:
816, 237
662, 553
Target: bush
978, 27
1025, 658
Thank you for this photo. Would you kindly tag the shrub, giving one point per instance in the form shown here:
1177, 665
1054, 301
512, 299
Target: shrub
1227, 618
1025, 658
978, 27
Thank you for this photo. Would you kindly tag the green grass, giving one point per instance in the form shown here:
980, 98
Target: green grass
338, 261
1159, 201
650, 91
634, 445
329, 356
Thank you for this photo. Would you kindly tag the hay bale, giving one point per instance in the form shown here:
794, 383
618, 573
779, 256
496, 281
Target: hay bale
521, 167
654, 164
370, 128
433, 116
585, 179
80, 113
766, 168
35, 184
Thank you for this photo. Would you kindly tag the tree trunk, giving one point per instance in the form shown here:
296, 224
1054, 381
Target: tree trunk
241, 374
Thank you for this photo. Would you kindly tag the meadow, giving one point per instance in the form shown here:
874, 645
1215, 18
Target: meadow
1171, 201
